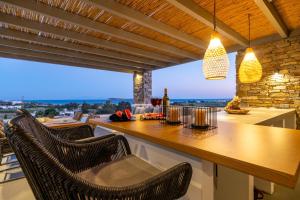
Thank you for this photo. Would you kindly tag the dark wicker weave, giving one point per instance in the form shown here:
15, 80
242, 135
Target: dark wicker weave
4, 145
30, 124
51, 168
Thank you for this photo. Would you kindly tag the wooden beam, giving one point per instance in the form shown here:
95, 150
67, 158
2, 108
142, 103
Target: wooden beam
58, 51
263, 40
40, 27
273, 16
193, 9
97, 65
89, 24
256, 42
46, 60
32, 38
143, 20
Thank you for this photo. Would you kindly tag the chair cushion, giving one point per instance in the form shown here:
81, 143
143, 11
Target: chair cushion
102, 131
123, 172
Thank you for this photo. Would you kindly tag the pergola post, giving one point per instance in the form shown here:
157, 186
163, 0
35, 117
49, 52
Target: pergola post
142, 87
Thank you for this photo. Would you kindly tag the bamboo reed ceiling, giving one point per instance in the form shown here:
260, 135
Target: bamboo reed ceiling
153, 48
290, 10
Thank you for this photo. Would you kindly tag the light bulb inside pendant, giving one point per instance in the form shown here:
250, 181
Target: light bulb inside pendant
215, 61
250, 70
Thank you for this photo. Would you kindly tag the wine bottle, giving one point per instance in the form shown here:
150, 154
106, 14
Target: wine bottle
166, 102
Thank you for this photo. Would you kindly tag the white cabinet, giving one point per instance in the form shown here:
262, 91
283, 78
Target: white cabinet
201, 187
229, 182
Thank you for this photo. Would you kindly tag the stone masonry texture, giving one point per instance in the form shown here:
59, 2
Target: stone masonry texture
281, 91
142, 87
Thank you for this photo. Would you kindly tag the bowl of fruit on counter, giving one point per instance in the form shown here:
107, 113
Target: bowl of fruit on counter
233, 107
122, 116
151, 116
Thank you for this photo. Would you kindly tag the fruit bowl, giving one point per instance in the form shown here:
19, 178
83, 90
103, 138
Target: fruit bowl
237, 112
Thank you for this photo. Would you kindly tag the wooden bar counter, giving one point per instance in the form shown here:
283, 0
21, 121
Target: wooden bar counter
267, 152
65, 125
226, 161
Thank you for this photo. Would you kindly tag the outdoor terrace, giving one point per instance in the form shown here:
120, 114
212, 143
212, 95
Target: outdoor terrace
139, 36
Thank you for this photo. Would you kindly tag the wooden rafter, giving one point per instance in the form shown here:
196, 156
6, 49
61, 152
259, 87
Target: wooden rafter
139, 18
202, 15
47, 60
36, 26
29, 53
89, 24
116, 56
273, 16
72, 54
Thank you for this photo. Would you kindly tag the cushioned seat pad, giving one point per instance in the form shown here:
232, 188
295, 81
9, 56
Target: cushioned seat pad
124, 172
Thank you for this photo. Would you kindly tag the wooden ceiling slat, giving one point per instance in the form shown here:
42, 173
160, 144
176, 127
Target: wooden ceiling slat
290, 12
136, 61
61, 52
16, 42
68, 17
234, 13
273, 16
47, 60
29, 53
199, 13
29, 24
139, 18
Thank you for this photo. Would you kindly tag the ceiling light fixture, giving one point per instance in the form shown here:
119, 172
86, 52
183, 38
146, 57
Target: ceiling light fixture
250, 70
215, 61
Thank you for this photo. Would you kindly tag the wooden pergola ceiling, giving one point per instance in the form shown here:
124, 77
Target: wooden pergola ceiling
136, 35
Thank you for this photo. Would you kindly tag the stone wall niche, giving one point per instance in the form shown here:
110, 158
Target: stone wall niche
142, 87
280, 84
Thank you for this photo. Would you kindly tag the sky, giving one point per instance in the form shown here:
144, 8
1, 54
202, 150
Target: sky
28, 80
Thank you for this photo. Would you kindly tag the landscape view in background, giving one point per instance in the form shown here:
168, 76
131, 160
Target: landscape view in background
50, 84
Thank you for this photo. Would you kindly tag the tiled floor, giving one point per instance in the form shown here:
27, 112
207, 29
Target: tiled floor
16, 190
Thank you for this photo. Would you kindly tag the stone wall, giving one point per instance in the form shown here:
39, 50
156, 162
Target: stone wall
281, 90
142, 87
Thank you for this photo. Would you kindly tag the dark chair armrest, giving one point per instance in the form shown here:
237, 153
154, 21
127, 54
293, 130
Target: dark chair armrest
73, 133
168, 185
81, 156
93, 139
172, 183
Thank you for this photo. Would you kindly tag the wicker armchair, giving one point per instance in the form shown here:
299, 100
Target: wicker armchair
4, 145
81, 134
104, 169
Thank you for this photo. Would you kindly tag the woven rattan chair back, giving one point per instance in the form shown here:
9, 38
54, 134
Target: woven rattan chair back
32, 125
67, 153
51, 166
44, 173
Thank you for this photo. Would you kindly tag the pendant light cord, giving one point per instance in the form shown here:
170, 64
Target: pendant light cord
214, 19
249, 30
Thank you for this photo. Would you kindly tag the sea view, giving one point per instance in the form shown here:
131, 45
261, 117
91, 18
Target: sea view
150, 99
118, 100
64, 107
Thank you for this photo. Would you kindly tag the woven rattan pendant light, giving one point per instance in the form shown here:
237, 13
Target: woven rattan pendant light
250, 70
215, 61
